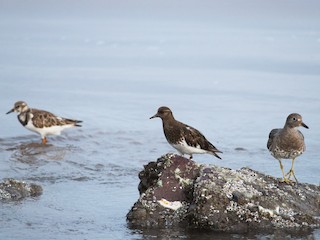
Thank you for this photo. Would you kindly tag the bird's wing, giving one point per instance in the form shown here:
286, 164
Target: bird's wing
47, 119
272, 134
196, 139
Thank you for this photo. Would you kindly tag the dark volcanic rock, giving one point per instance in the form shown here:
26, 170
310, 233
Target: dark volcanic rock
175, 192
11, 189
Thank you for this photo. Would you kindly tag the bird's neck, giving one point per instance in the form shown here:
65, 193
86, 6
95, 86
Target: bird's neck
290, 128
168, 120
24, 117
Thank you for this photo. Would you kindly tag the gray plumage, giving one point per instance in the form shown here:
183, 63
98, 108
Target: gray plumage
287, 142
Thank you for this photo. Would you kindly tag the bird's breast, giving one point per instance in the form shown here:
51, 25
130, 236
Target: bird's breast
23, 118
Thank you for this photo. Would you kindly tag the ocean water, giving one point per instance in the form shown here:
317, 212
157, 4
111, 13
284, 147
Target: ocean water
232, 69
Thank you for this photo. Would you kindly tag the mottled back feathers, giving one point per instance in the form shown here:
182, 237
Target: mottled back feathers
40, 121
43, 118
178, 133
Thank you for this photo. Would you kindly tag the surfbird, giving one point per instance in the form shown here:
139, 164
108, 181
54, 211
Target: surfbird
287, 143
42, 122
186, 139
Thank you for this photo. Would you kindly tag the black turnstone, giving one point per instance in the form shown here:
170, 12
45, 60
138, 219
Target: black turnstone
186, 139
287, 143
42, 122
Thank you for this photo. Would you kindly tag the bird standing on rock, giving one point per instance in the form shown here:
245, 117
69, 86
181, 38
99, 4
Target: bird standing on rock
42, 122
186, 139
287, 143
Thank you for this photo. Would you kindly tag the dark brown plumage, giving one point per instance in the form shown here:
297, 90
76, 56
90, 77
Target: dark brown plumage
184, 138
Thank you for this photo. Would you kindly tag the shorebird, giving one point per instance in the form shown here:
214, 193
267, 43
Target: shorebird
42, 122
186, 139
287, 143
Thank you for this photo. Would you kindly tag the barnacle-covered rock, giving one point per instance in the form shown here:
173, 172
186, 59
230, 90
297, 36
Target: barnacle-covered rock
177, 192
11, 189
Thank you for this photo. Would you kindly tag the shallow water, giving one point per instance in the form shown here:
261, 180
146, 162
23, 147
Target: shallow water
232, 76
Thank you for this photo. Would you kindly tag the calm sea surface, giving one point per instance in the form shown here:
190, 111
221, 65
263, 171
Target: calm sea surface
232, 69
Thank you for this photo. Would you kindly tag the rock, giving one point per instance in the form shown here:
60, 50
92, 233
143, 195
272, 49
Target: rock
177, 192
11, 189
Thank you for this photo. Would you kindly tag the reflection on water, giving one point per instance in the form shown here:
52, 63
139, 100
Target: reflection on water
181, 233
232, 77
98, 177
32, 152
90, 180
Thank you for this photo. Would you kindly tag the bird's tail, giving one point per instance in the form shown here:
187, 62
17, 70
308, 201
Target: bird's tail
214, 153
74, 122
77, 123
213, 150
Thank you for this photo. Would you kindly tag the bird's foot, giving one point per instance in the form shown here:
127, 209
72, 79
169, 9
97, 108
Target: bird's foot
44, 140
287, 181
291, 173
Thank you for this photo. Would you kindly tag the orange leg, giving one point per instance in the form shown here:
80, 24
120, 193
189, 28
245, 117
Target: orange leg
44, 140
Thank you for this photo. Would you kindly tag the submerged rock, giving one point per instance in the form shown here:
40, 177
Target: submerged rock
177, 192
11, 189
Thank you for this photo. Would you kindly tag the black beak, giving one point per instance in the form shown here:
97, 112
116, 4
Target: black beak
154, 116
12, 110
303, 125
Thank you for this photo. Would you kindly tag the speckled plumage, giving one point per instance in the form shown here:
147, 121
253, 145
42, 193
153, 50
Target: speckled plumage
41, 121
287, 142
184, 138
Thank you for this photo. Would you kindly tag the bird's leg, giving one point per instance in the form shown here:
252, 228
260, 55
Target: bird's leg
285, 179
291, 171
44, 140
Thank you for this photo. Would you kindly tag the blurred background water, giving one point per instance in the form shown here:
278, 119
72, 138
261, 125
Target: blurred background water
232, 69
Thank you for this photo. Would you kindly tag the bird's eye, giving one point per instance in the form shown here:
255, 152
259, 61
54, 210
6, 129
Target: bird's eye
294, 119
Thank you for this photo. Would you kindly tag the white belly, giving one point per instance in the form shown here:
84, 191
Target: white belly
54, 130
184, 148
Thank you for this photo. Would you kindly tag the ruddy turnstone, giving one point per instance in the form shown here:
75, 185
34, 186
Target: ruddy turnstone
40, 121
287, 143
186, 139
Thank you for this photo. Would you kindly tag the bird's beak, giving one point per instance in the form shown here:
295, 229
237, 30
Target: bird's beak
12, 110
154, 116
303, 125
